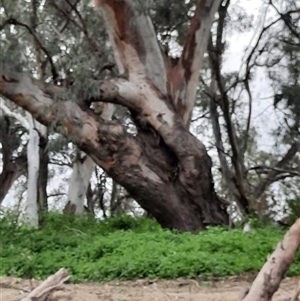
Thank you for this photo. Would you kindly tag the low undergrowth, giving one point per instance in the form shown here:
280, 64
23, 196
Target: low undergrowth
127, 248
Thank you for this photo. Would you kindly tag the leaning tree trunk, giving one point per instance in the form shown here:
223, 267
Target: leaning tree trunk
270, 276
163, 167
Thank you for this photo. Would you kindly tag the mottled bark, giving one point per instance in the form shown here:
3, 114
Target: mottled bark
268, 280
83, 168
163, 167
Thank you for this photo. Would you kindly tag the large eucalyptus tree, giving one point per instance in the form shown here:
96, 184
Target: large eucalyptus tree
162, 165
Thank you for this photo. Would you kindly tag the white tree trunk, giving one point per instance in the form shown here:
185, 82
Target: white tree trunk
31, 209
81, 175
82, 172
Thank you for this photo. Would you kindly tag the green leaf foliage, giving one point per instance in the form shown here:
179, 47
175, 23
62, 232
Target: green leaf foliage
128, 248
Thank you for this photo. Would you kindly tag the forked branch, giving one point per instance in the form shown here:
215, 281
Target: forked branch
134, 43
185, 78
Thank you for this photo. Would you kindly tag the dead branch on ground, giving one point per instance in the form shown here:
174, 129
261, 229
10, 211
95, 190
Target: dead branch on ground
47, 288
268, 279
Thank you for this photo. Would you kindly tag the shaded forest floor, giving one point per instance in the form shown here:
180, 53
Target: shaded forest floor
12, 289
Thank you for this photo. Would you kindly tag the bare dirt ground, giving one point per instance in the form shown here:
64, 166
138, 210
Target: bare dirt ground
13, 289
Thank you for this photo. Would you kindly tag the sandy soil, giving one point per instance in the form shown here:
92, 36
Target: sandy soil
13, 289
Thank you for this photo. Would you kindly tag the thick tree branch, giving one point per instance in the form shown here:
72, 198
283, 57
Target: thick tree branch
137, 53
135, 48
4, 23
113, 149
134, 43
184, 76
156, 113
83, 126
140, 61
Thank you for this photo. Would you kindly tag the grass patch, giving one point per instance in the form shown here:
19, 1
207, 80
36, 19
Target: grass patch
127, 248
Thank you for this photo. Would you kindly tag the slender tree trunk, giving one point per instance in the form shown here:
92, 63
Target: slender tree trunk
90, 200
31, 209
113, 206
43, 170
237, 184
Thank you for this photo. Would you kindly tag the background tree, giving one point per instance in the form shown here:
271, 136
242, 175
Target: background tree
231, 102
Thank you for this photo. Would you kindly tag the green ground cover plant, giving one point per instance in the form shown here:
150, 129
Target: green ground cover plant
128, 248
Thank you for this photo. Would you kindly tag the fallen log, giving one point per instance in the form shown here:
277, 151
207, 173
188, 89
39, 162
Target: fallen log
296, 294
268, 279
48, 287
